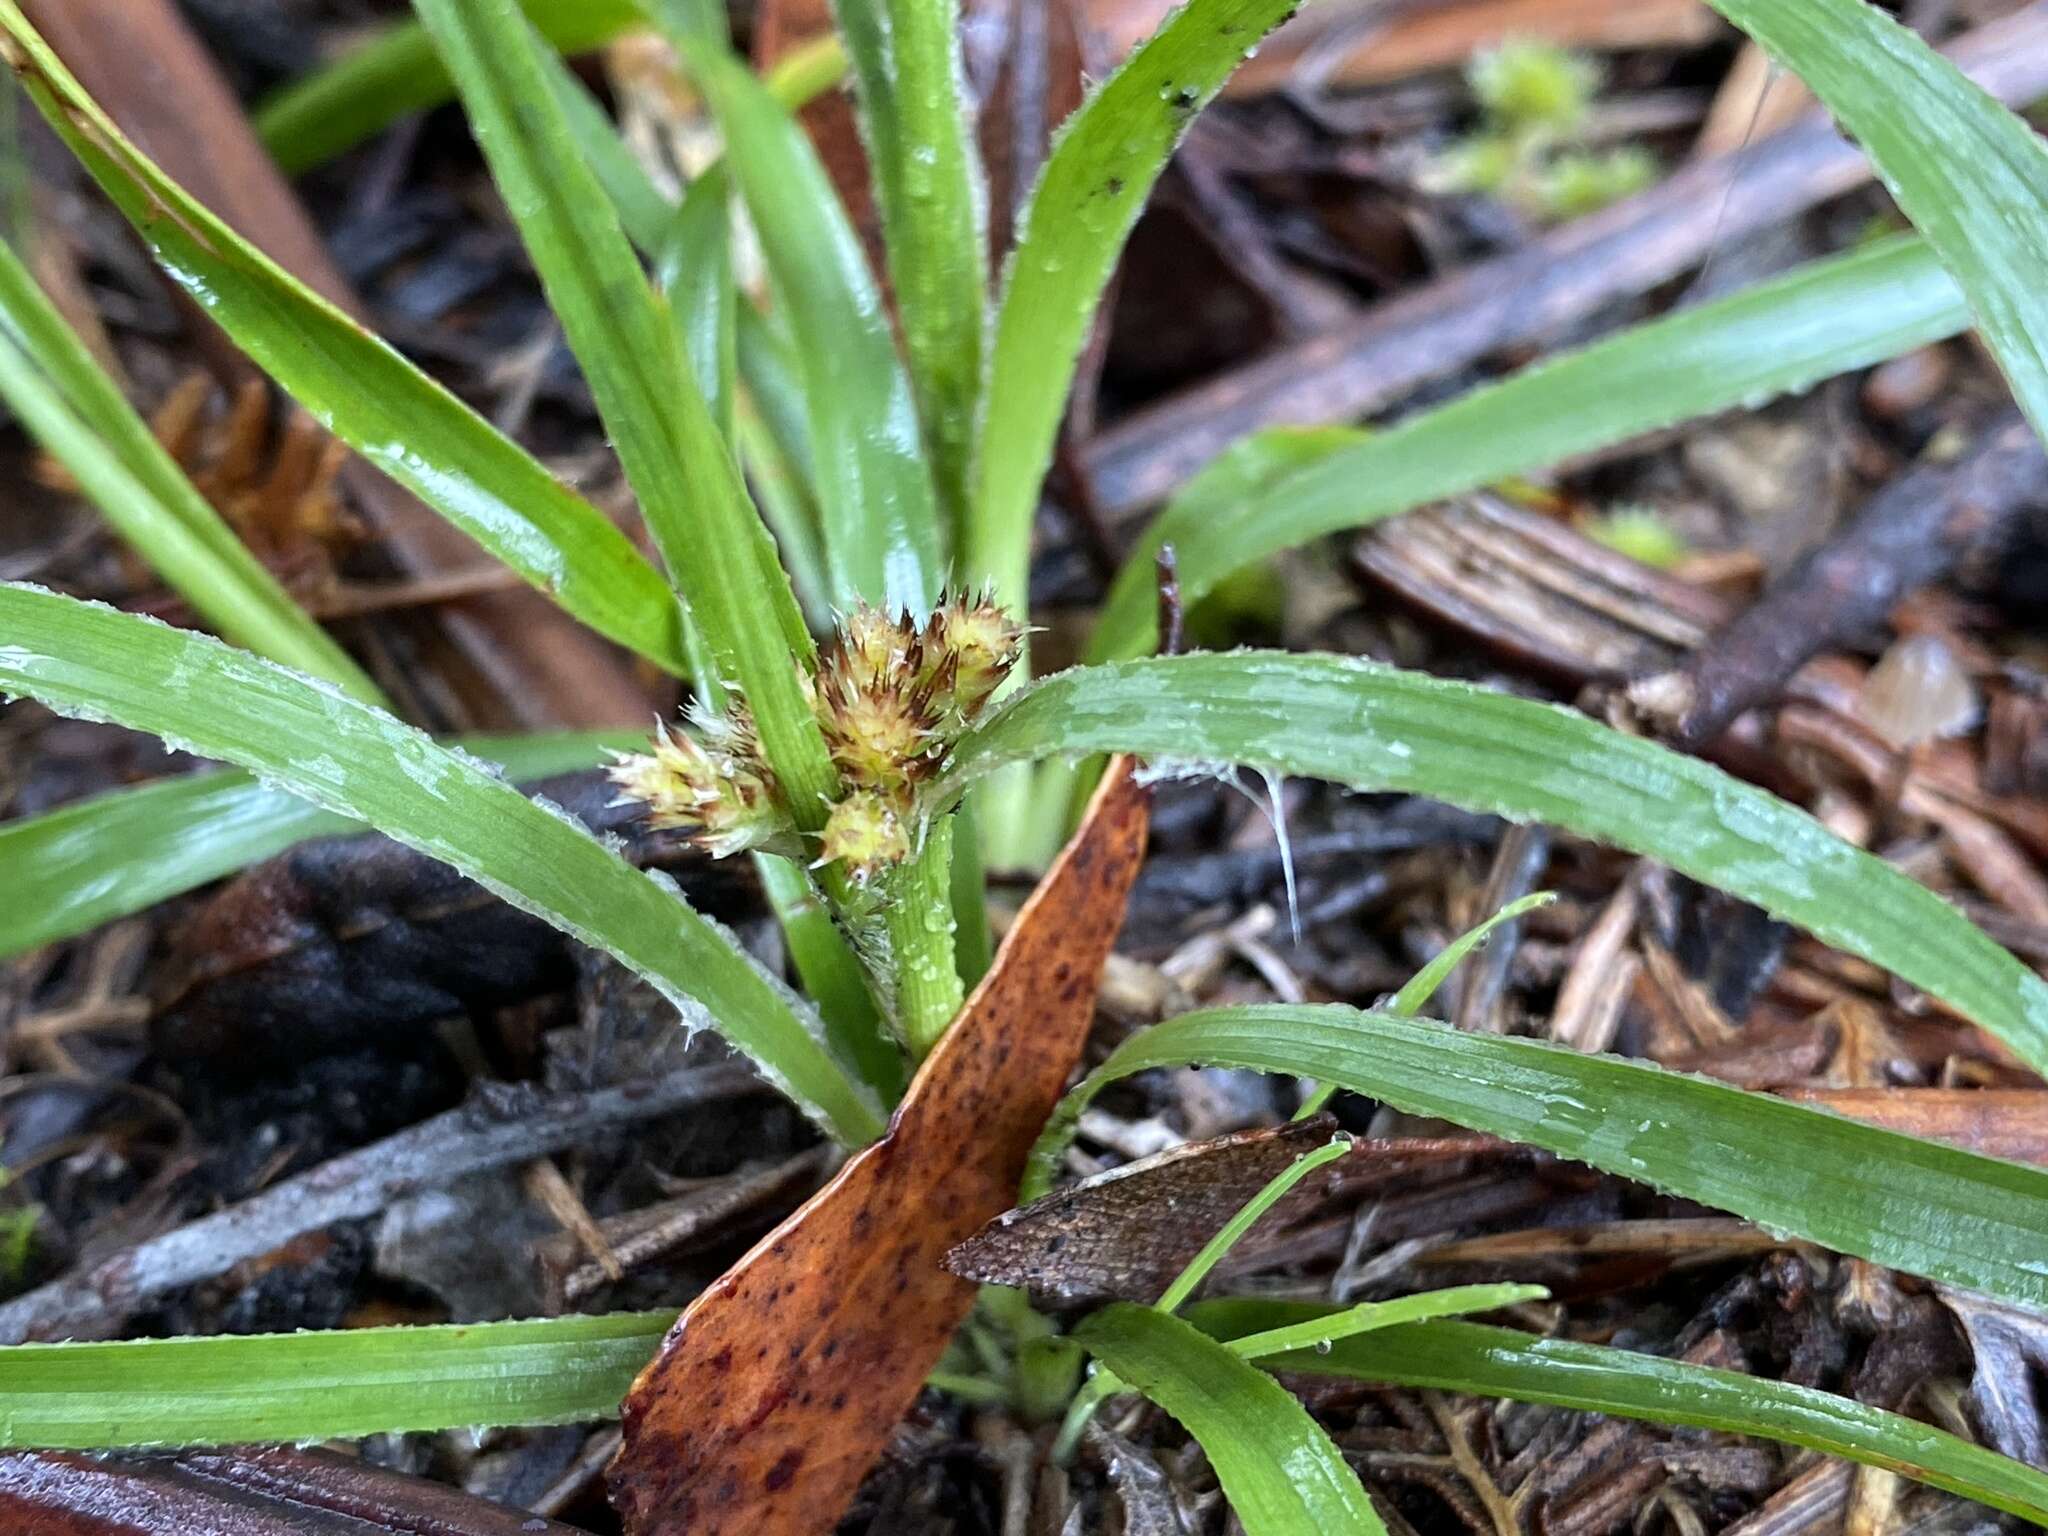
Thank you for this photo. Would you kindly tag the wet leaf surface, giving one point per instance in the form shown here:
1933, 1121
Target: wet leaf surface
778, 1387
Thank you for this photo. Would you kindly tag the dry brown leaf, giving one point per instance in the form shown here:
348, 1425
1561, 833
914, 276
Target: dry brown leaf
1124, 1234
778, 1387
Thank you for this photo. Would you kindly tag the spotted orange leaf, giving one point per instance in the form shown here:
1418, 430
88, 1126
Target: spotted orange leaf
775, 1391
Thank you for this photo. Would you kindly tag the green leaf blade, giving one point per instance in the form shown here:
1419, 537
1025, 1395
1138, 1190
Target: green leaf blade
1278, 1468
1378, 728
337, 107
1919, 1206
87, 863
1971, 175
623, 335
1278, 490
928, 183
193, 692
364, 392
1313, 1333
1088, 197
1500, 1362
320, 1386
880, 515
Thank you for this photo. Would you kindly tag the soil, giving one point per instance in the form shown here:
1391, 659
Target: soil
192, 1056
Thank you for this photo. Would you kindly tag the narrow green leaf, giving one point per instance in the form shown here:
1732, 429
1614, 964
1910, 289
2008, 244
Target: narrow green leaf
695, 272
1278, 1468
94, 663
1909, 1204
317, 1386
1090, 194
645, 210
71, 869
320, 1386
704, 19
1972, 176
1106, 1383
689, 487
1499, 1362
928, 183
80, 415
785, 500
1327, 1326
1278, 490
1378, 728
1422, 986
370, 88
882, 536
362, 390
1227, 1236
676, 242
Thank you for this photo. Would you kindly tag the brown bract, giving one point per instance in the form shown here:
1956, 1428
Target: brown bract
776, 1390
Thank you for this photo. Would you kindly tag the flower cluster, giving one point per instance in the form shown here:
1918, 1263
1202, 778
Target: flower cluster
709, 780
892, 696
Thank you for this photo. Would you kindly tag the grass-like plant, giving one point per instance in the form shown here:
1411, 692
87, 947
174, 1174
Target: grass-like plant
867, 773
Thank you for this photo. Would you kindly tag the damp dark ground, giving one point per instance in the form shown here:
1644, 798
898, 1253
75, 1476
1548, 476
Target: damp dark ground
1303, 261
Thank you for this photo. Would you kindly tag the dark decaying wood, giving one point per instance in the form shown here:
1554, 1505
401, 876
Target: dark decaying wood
505, 1126
240, 1492
1915, 531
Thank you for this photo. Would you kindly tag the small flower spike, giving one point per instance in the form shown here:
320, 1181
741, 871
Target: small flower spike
866, 834
971, 645
721, 797
892, 696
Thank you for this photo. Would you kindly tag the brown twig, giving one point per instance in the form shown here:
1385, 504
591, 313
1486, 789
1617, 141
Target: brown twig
242, 1492
1911, 533
1171, 618
642, 1237
1528, 295
507, 1126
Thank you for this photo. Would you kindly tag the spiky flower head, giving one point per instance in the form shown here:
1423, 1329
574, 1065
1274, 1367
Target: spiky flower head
970, 645
873, 647
882, 737
866, 833
715, 789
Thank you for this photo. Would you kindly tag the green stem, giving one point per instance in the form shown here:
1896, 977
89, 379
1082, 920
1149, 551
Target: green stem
833, 977
972, 945
1095, 1391
919, 916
